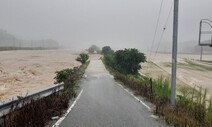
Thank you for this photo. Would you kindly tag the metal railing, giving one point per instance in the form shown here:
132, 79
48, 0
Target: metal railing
7, 106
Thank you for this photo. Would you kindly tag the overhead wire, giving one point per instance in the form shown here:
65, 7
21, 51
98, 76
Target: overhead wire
155, 33
164, 29
162, 34
156, 28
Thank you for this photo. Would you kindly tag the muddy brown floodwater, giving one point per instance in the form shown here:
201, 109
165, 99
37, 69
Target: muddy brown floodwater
195, 74
24, 71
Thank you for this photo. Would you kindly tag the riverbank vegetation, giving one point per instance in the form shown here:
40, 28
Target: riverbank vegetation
37, 113
192, 109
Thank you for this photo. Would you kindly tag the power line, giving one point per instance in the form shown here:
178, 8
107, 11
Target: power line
169, 14
155, 33
164, 28
159, 43
156, 28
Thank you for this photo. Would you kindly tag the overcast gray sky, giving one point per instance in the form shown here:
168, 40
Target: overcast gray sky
119, 23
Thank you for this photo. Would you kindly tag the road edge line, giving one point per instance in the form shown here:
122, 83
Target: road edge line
68, 111
139, 100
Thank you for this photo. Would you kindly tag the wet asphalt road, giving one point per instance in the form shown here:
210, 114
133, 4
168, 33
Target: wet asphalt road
105, 104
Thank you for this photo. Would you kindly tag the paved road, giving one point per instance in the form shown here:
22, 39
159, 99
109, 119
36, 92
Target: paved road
105, 104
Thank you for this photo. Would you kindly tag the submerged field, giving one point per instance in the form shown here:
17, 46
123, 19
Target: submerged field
24, 71
190, 71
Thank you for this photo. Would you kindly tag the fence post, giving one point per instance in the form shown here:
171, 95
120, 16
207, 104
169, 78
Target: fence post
2, 122
151, 91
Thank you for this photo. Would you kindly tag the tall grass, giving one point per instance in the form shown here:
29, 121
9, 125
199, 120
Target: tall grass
209, 113
192, 107
161, 88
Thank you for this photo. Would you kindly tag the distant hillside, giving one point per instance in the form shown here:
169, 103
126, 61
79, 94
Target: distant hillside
8, 41
185, 47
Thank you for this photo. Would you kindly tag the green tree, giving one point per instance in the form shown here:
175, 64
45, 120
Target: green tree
106, 50
109, 59
83, 57
128, 60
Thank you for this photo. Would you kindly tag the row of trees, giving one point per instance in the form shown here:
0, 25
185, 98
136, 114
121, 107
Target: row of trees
95, 49
126, 61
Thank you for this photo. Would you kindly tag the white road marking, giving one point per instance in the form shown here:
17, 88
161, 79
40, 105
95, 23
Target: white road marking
67, 112
154, 116
135, 97
85, 76
111, 76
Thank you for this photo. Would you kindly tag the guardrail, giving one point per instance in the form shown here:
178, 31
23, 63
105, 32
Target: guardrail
7, 106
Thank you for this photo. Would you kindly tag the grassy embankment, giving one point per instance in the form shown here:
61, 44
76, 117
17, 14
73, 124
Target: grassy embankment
191, 110
191, 65
37, 113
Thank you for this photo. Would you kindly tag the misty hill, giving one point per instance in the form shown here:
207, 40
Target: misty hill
8, 40
185, 47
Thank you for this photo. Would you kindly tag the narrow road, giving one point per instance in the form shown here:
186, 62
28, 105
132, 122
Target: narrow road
105, 104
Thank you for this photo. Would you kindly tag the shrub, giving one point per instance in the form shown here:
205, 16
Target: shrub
62, 75
37, 113
109, 59
83, 57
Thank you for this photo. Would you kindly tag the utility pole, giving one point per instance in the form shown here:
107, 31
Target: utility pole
200, 30
174, 52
